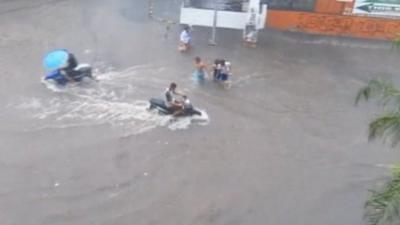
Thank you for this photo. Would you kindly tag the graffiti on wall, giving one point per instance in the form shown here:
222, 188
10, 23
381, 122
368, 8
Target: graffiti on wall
348, 26
377, 7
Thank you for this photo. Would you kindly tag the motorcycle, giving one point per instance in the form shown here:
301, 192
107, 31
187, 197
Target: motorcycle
81, 72
159, 104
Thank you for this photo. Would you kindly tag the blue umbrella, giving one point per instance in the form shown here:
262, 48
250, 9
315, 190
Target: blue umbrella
56, 59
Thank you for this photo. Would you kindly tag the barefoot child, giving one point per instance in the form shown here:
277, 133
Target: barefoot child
201, 69
184, 40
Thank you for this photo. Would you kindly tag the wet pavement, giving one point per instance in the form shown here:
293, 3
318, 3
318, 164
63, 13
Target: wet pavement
284, 145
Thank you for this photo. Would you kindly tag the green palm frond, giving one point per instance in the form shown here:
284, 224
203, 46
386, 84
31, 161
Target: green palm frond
384, 205
380, 89
396, 170
396, 43
387, 127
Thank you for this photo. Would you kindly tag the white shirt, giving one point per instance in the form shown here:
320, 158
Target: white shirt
169, 97
185, 37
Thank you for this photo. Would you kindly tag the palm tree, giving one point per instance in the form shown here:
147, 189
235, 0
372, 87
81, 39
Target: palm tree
387, 125
383, 207
396, 42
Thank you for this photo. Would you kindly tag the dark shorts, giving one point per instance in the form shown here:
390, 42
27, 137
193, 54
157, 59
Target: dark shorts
222, 77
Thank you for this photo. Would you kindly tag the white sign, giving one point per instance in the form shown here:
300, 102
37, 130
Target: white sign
377, 7
225, 19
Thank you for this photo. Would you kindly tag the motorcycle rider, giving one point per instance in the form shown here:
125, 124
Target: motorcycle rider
69, 70
186, 106
175, 106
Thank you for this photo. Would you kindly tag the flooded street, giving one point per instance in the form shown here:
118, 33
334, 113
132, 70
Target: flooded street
284, 145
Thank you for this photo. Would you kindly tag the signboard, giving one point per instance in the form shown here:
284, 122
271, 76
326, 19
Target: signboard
377, 7
255, 14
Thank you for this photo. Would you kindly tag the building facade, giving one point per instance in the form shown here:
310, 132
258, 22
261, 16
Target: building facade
377, 19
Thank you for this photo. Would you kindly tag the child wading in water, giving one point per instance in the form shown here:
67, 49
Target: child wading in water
184, 39
201, 69
222, 72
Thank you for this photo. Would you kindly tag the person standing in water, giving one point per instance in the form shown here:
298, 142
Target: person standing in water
201, 69
222, 72
216, 69
184, 39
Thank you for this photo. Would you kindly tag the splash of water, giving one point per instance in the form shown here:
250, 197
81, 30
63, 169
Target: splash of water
185, 122
105, 102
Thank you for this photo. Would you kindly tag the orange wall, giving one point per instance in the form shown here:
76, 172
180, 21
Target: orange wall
341, 25
329, 6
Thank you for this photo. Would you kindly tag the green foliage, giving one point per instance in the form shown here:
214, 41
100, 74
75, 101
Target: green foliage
387, 127
384, 205
396, 170
396, 43
380, 89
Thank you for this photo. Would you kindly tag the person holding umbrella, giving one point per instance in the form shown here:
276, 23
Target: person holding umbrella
63, 62
64, 67
69, 70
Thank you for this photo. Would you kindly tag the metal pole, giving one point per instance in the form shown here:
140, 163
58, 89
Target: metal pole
151, 9
214, 29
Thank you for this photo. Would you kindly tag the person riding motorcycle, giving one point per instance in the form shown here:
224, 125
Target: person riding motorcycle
69, 71
175, 106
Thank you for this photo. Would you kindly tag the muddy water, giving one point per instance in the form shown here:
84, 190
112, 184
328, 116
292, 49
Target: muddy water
284, 145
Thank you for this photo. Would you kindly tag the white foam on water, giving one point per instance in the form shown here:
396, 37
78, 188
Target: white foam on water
131, 117
246, 78
182, 123
108, 101
33, 103
386, 166
53, 86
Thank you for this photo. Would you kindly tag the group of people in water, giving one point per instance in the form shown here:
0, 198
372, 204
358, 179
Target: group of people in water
221, 70
175, 101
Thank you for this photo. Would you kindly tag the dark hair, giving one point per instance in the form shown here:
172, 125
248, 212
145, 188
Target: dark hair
197, 59
186, 27
172, 85
222, 62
